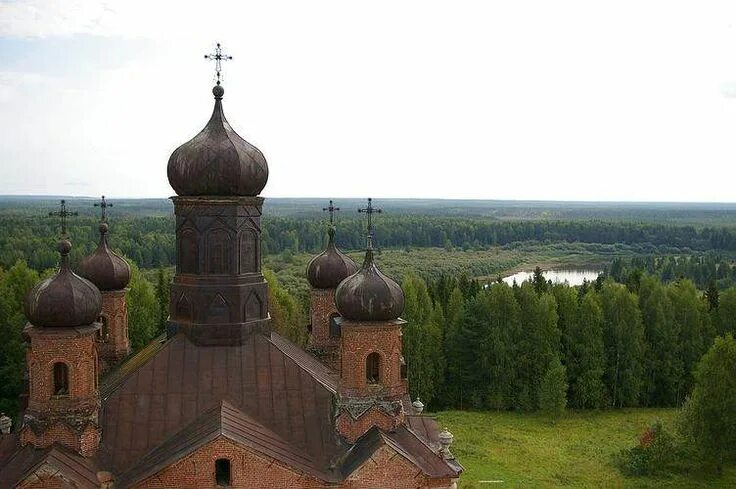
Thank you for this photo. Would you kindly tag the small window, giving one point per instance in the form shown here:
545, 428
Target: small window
404, 372
334, 326
222, 471
103, 333
373, 368
61, 379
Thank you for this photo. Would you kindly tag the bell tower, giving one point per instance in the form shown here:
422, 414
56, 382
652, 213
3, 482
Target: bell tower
64, 401
324, 273
110, 273
372, 380
218, 295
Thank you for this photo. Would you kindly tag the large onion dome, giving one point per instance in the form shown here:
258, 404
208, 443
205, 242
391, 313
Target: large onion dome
64, 300
369, 295
217, 161
329, 268
104, 268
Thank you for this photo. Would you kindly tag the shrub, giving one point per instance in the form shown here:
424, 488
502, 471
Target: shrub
654, 453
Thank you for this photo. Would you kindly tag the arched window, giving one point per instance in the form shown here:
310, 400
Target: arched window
334, 326
222, 472
61, 379
373, 368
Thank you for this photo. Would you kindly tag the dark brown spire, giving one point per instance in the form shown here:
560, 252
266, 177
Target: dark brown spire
105, 268
64, 300
368, 294
329, 268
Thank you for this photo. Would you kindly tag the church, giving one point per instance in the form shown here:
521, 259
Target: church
220, 400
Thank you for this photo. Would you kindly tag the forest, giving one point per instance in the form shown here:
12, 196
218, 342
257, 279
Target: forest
632, 338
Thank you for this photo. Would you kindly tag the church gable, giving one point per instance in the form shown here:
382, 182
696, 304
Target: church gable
225, 462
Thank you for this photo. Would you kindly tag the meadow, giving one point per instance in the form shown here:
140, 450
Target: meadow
508, 449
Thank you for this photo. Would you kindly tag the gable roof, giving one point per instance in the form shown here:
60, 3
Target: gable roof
266, 377
75, 468
405, 443
228, 421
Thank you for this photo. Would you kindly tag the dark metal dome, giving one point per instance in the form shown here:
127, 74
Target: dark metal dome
369, 295
64, 300
329, 268
217, 161
104, 268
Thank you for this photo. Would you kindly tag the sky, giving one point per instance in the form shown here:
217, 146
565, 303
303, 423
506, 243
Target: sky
527, 100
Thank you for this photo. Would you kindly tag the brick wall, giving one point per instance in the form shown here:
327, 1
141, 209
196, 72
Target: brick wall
352, 429
248, 469
53, 415
388, 470
113, 344
358, 340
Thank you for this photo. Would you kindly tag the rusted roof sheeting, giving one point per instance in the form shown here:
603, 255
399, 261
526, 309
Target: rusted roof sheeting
72, 467
321, 372
183, 380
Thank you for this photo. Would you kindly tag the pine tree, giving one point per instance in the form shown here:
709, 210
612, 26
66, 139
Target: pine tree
491, 323
142, 310
689, 313
452, 391
581, 323
663, 368
536, 345
708, 418
624, 343
553, 390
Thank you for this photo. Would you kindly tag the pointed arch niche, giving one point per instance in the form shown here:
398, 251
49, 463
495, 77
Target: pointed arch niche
249, 252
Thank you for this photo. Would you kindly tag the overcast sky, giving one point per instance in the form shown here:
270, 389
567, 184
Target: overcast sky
491, 100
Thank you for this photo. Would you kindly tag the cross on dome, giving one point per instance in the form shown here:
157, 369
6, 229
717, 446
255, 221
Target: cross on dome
331, 209
370, 210
103, 205
62, 214
218, 57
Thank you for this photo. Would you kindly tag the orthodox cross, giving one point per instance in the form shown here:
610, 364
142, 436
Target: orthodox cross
218, 58
331, 209
63, 214
370, 210
103, 205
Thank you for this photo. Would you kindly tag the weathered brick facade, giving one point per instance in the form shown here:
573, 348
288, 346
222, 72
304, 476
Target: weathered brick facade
386, 469
358, 340
247, 469
68, 418
352, 428
112, 340
322, 342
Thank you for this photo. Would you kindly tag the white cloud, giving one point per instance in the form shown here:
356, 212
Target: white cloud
529, 99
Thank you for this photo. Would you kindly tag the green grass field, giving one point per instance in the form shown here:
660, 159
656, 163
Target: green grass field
526, 450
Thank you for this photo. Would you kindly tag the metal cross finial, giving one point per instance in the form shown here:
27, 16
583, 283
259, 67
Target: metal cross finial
331, 209
370, 210
103, 205
218, 57
63, 214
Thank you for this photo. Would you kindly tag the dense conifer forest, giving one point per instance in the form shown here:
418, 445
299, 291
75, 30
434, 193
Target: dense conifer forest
631, 338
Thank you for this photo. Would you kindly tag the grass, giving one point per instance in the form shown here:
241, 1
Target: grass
526, 450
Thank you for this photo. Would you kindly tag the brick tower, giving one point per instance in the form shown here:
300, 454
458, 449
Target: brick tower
64, 402
372, 381
111, 274
219, 295
324, 273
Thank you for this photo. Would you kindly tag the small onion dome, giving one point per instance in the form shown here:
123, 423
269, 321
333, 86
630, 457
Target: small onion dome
64, 300
329, 268
104, 268
369, 295
217, 161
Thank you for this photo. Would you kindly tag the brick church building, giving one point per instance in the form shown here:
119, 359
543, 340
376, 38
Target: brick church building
220, 400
